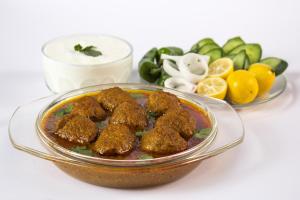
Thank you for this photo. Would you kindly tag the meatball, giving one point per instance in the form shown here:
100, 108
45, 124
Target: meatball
159, 102
132, 115
163, 140
112, 97
89, 107
79, 129
115, 139
180, 120
55, 123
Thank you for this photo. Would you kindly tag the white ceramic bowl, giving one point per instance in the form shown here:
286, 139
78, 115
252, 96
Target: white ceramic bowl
66, 69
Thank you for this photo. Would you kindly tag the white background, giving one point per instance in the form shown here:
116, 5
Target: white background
265, 166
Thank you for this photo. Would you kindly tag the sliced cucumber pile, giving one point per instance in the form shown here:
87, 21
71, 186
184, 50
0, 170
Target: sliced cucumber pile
242, 54
278, 65
209, 47
253, 52
195, 48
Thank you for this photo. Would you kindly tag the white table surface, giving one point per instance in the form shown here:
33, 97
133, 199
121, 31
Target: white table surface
265, 166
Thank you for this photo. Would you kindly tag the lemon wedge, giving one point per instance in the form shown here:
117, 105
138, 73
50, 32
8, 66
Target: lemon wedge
220, 68
215, 87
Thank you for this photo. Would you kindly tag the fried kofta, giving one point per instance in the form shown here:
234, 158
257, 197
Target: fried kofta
160, 102
78, 129
132, 115
56, 123
89, 107
115, 139
112, 97
180, 120
163, 140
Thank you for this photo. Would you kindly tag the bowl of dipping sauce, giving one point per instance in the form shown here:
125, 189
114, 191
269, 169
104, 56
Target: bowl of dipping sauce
77, 61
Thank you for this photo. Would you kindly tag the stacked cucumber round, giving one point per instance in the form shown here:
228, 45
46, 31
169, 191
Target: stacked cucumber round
242, 54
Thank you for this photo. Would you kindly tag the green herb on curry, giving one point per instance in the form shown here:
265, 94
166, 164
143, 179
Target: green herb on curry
101, 125
82, 150
139, 133
68, 109
145, 157
202, 133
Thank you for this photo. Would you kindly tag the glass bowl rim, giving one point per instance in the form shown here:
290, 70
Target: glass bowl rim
115, 162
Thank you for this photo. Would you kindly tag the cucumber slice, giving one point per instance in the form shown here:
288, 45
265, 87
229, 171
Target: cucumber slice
195, 48
278, 65
247, 63
232, 43
253, 52
208, 47
205, 41
239, 60
214, 54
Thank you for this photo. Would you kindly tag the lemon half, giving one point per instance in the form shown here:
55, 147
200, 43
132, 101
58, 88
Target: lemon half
212, 87
221, 68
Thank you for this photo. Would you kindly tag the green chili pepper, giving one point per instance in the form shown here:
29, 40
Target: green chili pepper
148, 69
164, 76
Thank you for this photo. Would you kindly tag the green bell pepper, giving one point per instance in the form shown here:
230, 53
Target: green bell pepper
148, 69
164, 76
172, 51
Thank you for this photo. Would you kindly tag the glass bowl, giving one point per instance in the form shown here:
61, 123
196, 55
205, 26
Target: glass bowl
76, 70
26, 135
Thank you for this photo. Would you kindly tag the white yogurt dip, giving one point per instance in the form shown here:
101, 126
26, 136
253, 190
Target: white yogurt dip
66, 69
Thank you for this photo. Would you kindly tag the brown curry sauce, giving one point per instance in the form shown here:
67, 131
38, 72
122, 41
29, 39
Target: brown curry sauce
202, 122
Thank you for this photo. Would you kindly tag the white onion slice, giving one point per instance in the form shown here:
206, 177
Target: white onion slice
191, 66
168, 57
171, 69
194, 67
180, 84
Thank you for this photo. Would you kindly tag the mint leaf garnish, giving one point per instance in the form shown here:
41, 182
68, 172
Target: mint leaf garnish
82, 150
88, 50
68, 109
145, 157
153, 114
101, 125
64, 111
202, 133
77, 47
139, 133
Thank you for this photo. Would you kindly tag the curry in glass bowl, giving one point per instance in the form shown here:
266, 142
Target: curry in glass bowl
125, 135
128, 125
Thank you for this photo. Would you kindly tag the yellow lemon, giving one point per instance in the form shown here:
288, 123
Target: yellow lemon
264, 76
213, 87
220, 68
242, 87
